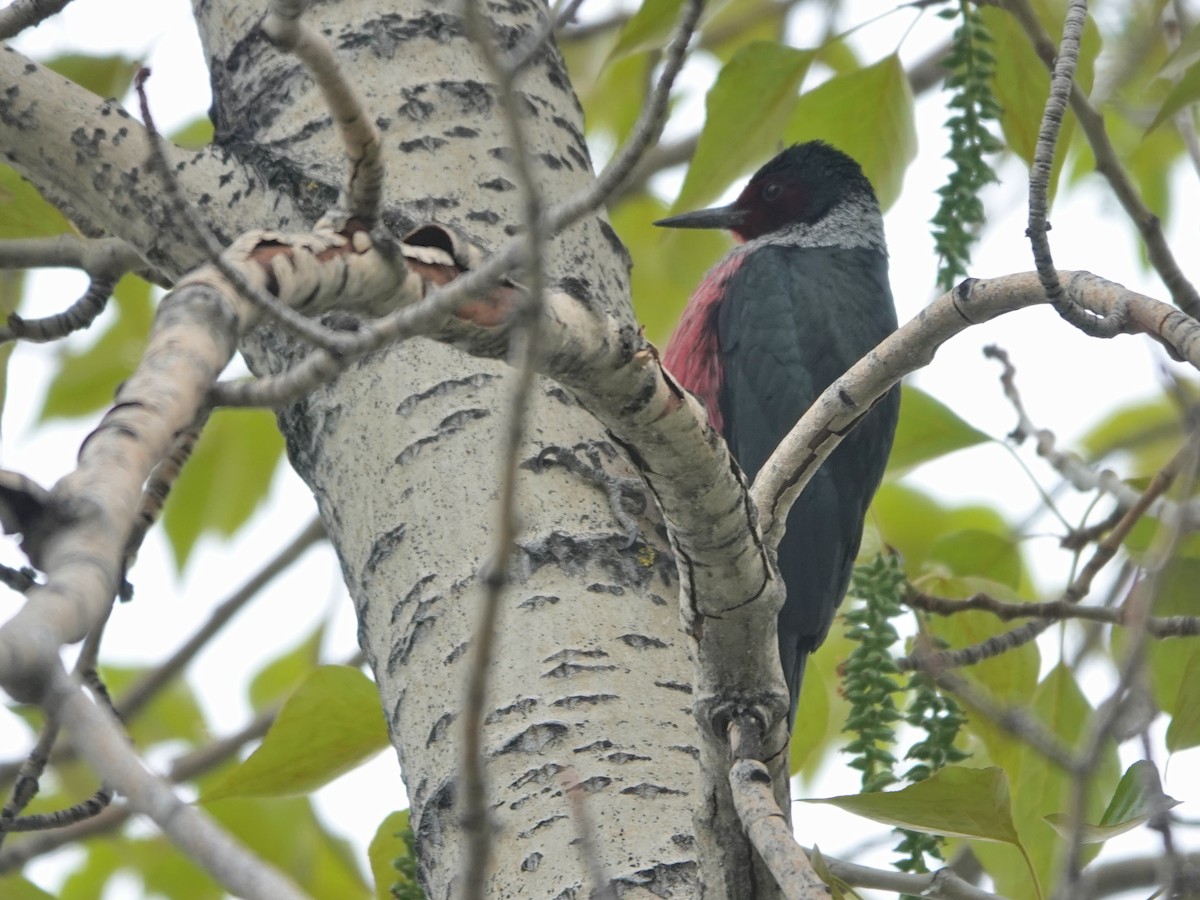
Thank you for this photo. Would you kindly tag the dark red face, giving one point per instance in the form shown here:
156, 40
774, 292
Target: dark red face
800, 185
768, 204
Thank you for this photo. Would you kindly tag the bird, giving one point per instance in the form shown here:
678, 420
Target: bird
801, 298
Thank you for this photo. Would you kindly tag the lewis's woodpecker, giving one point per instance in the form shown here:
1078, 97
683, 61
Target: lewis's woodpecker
802, 298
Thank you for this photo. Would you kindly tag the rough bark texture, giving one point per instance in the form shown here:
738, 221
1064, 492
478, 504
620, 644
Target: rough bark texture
592, 670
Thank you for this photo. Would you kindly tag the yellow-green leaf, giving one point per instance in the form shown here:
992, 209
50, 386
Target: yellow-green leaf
667, 265
867, 114
87, 380
225, 480
385, 848
955, 801
330, 725
284, 674
195, 134
106, 76
928, 429
24, 213
981, 554
286, 833
1022, 81
1138, 797
745, 112
650, 27
1184, 730
14, 887
1185, 92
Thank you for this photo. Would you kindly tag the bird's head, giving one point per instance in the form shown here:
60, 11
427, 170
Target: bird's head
800, 186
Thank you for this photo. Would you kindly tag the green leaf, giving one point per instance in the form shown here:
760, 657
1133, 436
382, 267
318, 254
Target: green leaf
981, 554
913, 522
1138, 797
173, 715
286, 833
14, 887
650, 27
87, 380
330, 725
1184, 94
284, 674
812, 728
226, 479
106, 76
1022, 80
1184, 730
1182, 57
24, 213
867, 114
1173, 662
955, 801
386, 847
668, 264
928, 429
194, 135
1041, 789
746, 110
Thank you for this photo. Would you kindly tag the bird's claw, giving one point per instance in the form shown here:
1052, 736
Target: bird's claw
626, 498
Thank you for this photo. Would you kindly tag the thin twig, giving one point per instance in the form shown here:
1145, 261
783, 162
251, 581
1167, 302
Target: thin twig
523, 355
76, 317
362, 192
1137, 613
1061, 82
1108, 164
1079, 587
136, 697
279, 390
1159, 627
302, 326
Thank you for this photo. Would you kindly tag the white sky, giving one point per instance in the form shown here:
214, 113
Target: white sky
1067, 380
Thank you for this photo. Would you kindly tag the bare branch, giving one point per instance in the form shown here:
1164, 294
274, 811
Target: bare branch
363, 190
770, 832
24, 13
1159, 627
944, 884
1061, 82
1108, 164
111, 257
524, 356
77, 316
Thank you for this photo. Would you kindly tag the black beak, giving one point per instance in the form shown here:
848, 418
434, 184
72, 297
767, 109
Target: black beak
727, 217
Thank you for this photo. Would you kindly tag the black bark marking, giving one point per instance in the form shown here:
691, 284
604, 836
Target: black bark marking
621, 759
500, 185
541, 775
535, 739
537, 601
579, 700
438, 731
452, 424
642, 642
522, 706
569, 670
674, 686
652, 791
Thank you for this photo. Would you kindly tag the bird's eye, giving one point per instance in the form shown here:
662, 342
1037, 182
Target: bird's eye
772, 191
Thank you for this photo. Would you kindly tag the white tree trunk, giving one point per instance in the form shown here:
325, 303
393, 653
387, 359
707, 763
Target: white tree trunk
592, 679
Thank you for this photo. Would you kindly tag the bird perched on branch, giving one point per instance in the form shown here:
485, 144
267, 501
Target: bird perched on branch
802, 298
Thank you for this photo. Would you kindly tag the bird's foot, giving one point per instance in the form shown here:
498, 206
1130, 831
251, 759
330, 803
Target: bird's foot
626, 496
